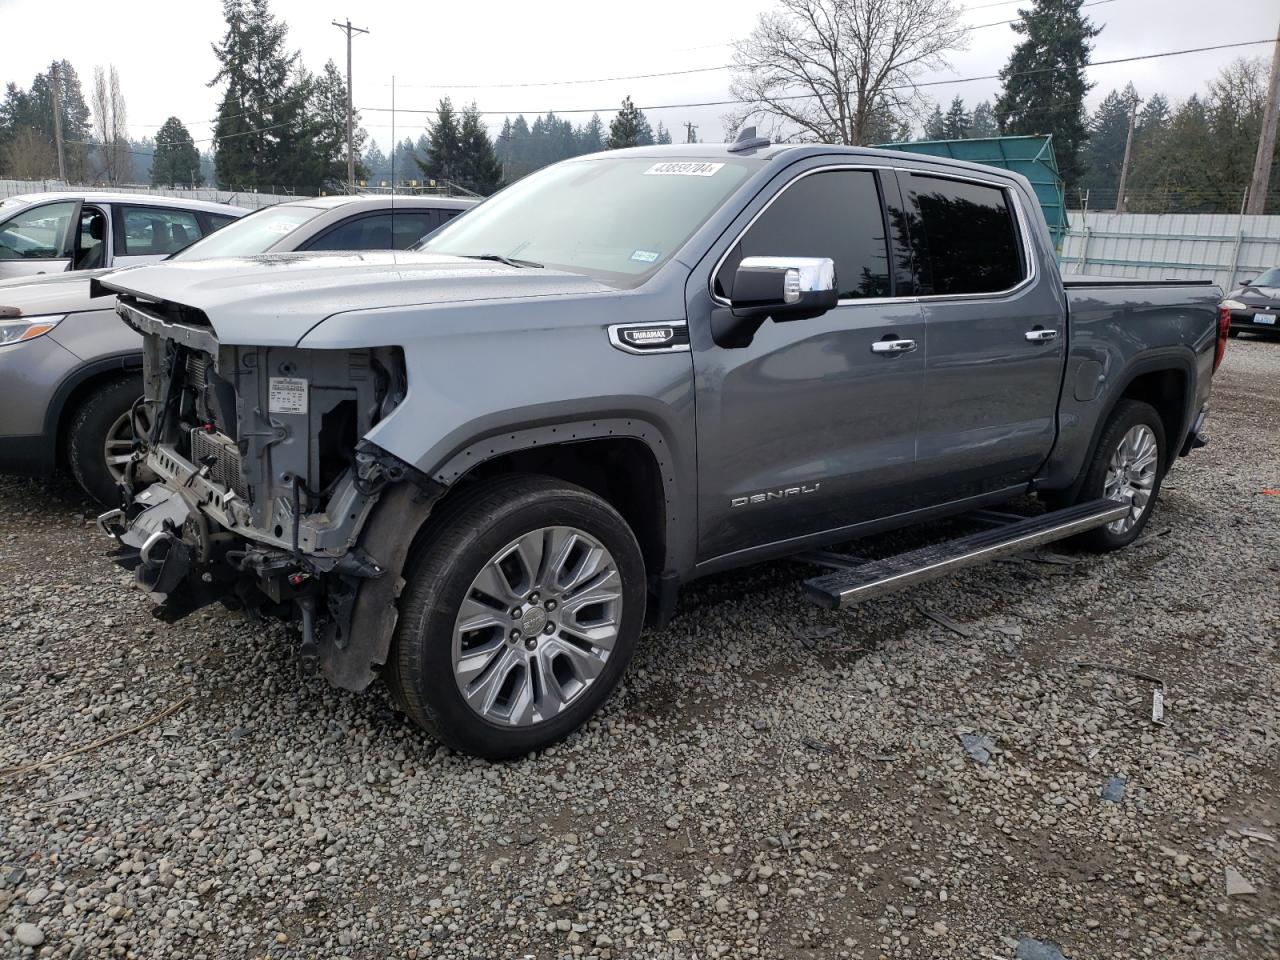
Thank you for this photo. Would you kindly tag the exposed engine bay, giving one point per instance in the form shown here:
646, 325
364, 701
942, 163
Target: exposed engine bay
252, 485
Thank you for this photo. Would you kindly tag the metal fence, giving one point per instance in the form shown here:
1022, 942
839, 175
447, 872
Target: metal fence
1224, 248
238, 198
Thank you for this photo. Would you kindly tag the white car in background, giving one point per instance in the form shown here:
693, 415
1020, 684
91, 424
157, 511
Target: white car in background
55, 232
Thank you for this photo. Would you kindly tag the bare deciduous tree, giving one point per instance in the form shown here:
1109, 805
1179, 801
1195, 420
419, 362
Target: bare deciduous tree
30, 156
110, 126
834, 70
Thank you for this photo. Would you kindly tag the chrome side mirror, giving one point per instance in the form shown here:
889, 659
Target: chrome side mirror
784, 288
774, 288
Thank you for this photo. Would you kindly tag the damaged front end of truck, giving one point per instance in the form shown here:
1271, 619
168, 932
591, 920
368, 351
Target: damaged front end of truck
253, 484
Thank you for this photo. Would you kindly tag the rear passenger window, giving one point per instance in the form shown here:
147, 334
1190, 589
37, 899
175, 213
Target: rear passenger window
384, 231
155, 231
833, 214
965, 239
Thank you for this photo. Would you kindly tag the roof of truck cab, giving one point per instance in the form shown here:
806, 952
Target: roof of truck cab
798, 151
137, 199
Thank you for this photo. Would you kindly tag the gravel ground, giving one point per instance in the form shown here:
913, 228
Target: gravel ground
774, 780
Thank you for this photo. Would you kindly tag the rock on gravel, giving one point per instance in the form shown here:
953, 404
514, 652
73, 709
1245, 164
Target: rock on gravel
28, 934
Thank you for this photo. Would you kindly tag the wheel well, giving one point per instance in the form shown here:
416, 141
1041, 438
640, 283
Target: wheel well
620, 470
76, 398
1166, 390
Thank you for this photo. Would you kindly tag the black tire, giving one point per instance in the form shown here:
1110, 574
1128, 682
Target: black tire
87, 430
1127, 415
469, 533
1233, 332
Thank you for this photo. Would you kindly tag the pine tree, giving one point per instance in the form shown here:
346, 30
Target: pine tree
376, 164
662, 135
1044, 80
983, 123
1104, 154
444, 155
935, 128
176, 160
591, 137
629, 128
479, 169
258, 115
955, 125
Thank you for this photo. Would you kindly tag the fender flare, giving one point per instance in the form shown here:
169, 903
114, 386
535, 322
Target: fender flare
1178, 359
562, 432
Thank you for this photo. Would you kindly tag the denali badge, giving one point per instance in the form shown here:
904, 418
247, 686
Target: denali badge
780, 494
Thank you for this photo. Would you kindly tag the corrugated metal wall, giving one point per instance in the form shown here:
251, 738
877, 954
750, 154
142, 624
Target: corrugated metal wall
1224, 248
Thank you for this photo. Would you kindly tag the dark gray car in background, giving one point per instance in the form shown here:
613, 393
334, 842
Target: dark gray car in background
70, 371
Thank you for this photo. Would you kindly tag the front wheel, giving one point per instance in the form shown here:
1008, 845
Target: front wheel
521, 611
100, 438
1128, 465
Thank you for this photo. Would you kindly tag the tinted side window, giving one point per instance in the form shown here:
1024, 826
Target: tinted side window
155, 231
832, 214
965, 237
218, 220
385, 231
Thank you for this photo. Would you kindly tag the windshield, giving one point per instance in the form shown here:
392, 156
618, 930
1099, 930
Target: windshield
614, 219
253, 234
1269, 279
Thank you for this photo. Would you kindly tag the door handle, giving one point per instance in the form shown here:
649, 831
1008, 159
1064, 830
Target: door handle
893, 346
1039, 335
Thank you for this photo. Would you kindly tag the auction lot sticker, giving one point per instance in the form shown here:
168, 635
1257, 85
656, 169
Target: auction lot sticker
683, 168
287, 395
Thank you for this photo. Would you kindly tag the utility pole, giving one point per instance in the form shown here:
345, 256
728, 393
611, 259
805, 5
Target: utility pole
690, 132
1266, 139
57, 120
1128, 151
348, 29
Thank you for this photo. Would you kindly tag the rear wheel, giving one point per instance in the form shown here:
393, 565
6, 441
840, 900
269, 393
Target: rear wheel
1128, 465
520, 614
100, 438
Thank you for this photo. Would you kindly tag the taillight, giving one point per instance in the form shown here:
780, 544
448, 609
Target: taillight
1224, 331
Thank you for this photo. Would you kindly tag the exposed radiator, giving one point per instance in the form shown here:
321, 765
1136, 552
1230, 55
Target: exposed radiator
224, 467
197, 370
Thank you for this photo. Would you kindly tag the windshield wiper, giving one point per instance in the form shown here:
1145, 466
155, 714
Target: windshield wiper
498, 258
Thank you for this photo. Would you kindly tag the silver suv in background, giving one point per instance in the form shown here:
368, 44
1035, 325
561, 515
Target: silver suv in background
70, 370
53, 232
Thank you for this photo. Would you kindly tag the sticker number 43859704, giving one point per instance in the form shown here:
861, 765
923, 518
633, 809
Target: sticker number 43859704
683, 168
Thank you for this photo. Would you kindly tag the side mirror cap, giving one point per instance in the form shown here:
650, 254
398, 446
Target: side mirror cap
784, 288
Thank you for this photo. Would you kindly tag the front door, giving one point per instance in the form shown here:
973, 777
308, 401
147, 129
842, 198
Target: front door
38, 239
996, 339
808, 428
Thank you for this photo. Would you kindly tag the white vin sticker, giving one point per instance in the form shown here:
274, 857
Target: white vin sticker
287, 395
683, 168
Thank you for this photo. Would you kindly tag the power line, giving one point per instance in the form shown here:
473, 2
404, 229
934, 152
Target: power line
667, 73
809, 96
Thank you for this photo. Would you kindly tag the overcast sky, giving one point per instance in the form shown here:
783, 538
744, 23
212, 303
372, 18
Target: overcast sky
162, 51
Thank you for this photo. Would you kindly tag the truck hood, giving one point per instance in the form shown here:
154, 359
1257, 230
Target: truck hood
274, 299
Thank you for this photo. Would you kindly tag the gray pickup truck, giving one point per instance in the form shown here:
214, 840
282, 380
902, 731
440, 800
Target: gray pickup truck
474, 470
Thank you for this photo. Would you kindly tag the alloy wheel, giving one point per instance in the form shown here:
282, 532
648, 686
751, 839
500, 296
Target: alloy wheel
1131, 475
537, 626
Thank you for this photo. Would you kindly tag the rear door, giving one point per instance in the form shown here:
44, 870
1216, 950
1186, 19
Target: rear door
808, 428
995, 324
